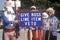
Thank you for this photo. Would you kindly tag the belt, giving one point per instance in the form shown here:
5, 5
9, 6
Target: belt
9, 30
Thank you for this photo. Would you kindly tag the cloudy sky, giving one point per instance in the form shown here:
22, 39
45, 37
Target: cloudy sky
1, 4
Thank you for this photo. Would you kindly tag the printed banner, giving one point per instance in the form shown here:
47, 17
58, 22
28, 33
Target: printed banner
30, 19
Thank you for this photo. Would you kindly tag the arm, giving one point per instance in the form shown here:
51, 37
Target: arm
5, 20
16, 20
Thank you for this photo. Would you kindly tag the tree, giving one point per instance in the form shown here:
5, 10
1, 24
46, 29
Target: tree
40, 4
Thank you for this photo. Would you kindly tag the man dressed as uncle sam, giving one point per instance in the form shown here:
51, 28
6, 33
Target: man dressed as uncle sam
10, 20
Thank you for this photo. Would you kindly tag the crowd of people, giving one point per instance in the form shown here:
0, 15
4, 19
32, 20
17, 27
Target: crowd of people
46, 32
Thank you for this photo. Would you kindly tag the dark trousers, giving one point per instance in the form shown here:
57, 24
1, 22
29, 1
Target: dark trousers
51, 36
54, 38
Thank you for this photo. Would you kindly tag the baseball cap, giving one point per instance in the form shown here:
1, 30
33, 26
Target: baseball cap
33, 7
44, 15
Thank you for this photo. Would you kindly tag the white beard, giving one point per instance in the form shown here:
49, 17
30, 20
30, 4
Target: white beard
10, 17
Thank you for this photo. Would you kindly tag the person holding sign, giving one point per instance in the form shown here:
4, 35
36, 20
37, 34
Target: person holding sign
52, 21
34, 33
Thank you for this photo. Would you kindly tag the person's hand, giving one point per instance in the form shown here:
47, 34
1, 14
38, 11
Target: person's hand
16, 21
51, 24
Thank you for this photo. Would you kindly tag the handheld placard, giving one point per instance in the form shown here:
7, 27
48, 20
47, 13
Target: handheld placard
31, 19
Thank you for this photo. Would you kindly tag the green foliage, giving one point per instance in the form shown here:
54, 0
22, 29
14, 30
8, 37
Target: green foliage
40, 4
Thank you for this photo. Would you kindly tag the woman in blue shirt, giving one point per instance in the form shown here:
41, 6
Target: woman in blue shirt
52, 25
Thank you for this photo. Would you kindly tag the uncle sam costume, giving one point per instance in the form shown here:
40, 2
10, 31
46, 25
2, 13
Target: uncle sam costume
9, 26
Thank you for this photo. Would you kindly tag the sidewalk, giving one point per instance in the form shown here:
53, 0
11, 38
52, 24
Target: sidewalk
22, 35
